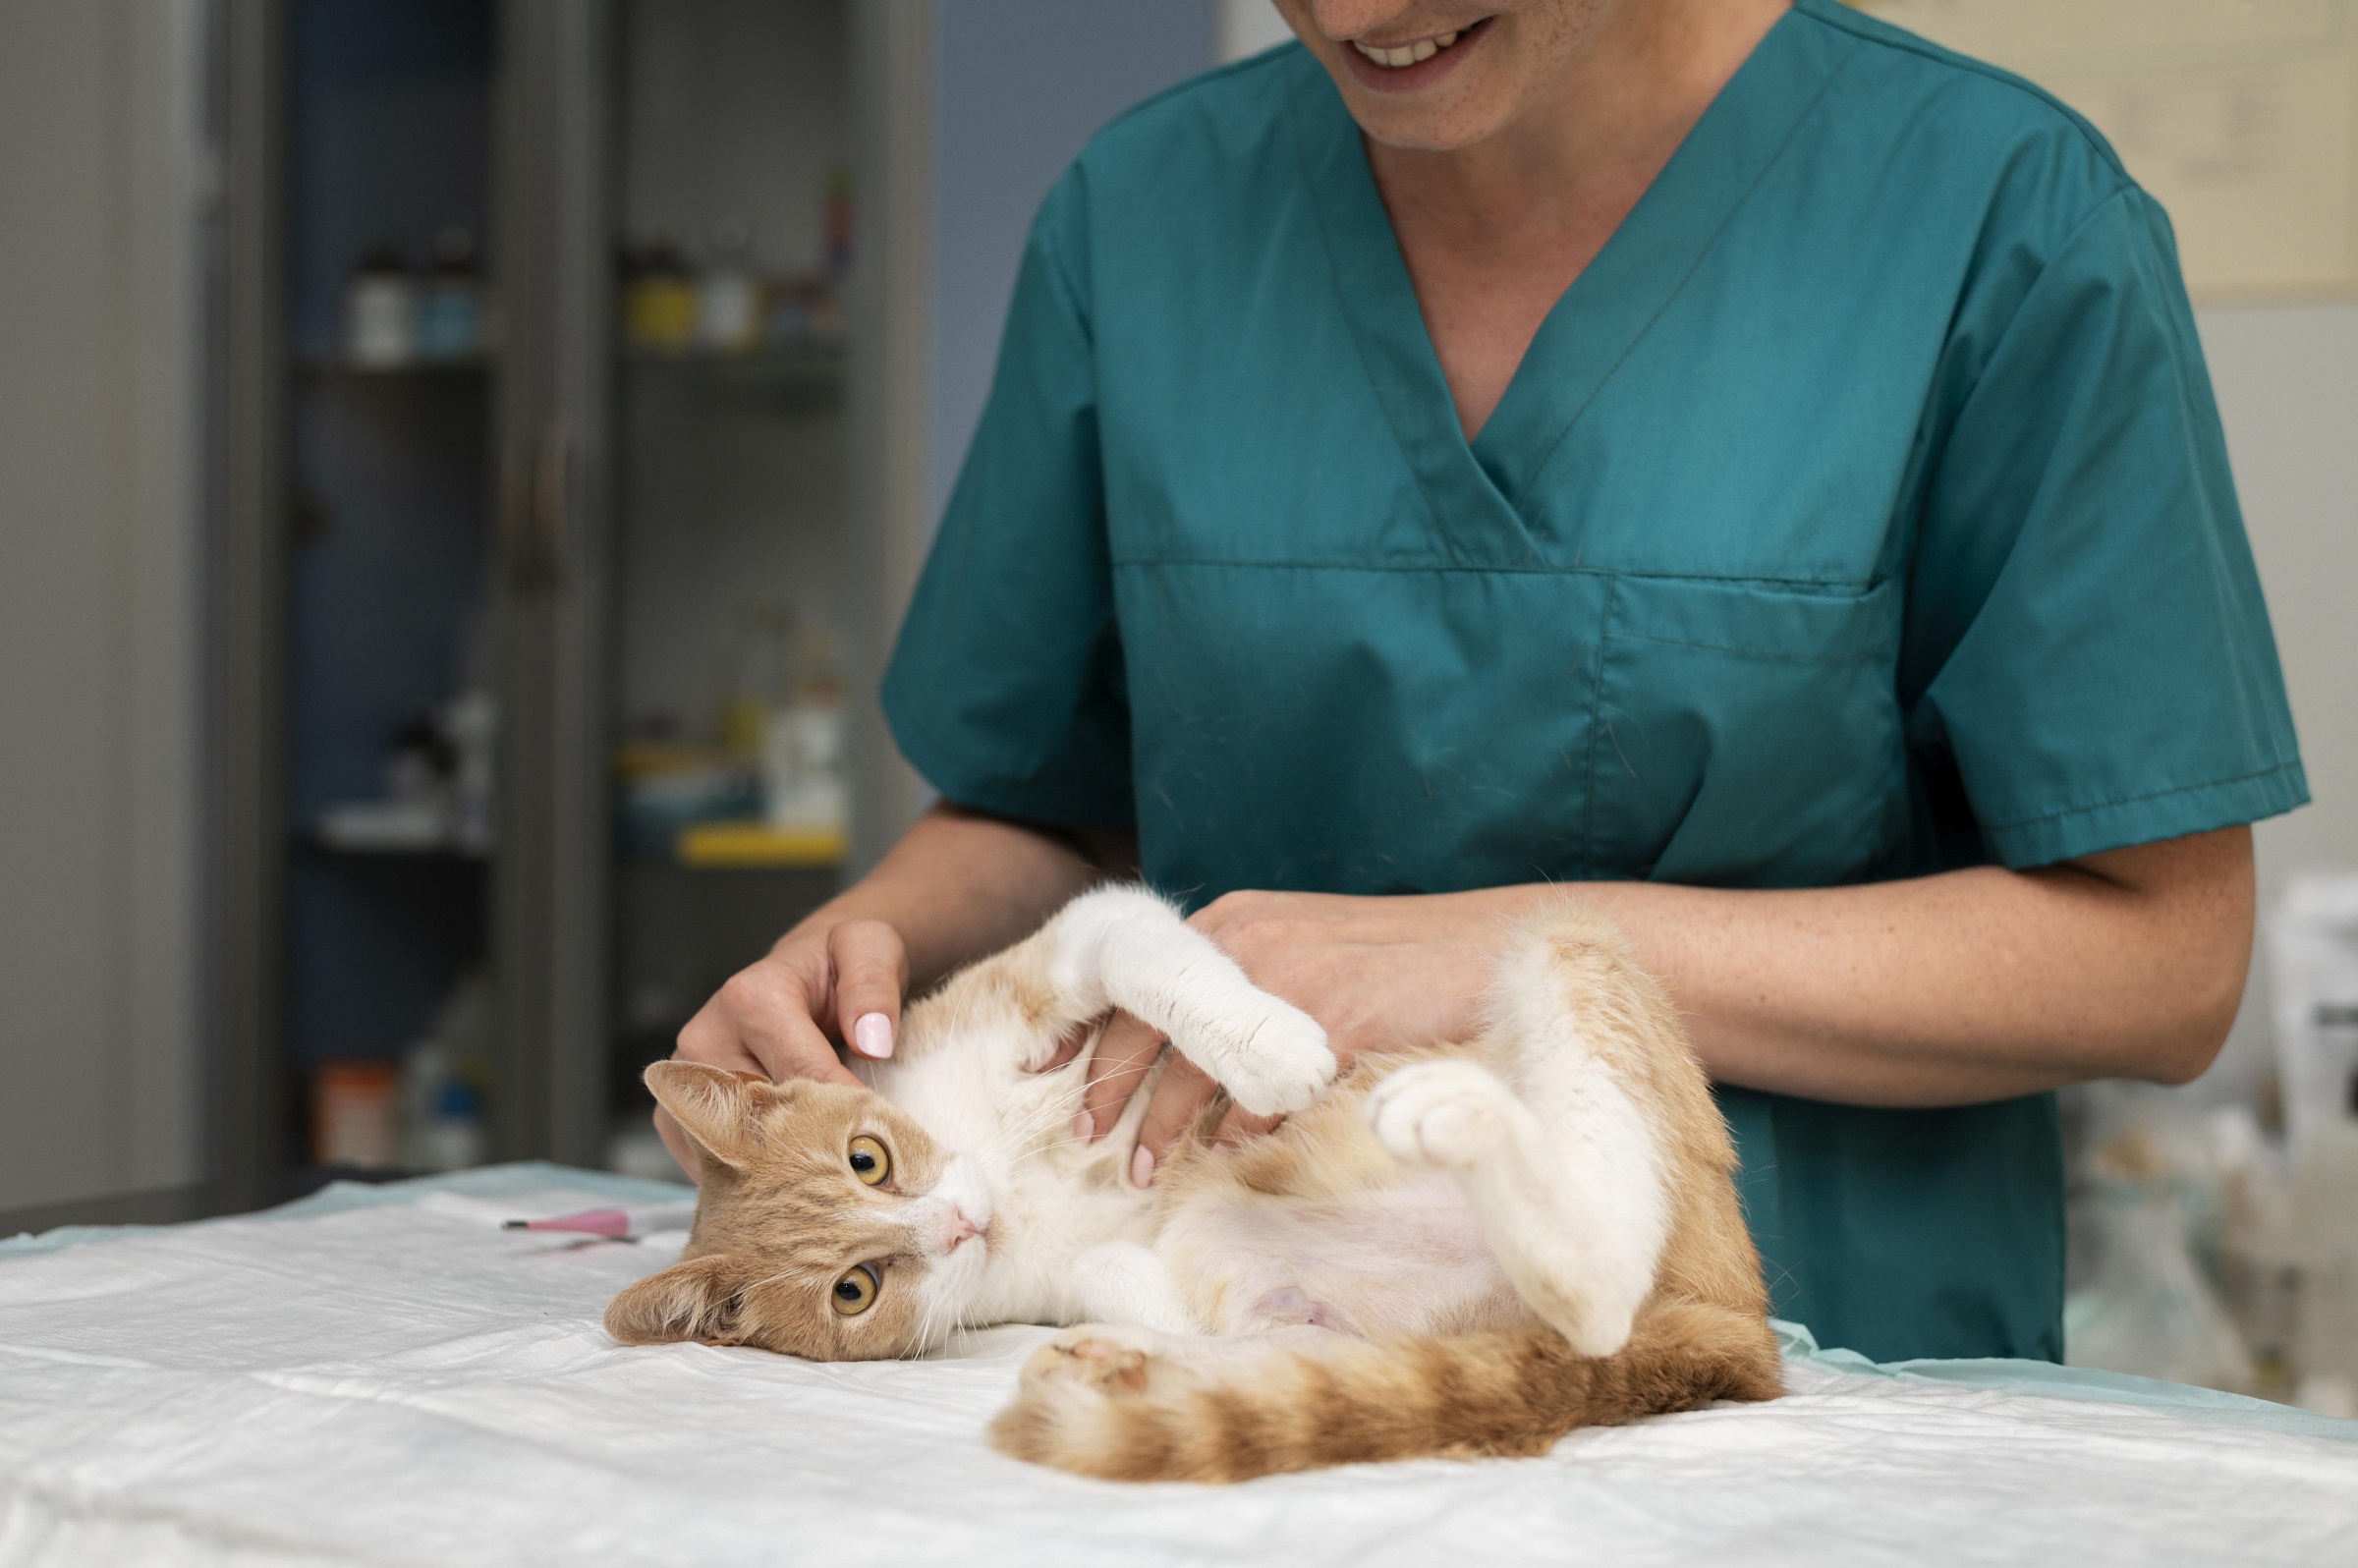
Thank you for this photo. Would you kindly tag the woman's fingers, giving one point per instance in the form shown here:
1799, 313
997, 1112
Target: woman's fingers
1119, 1066
870, 967
761, 1021
1179, 1098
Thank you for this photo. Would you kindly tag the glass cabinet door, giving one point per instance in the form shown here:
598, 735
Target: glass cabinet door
392, 328
580, 640
732, 573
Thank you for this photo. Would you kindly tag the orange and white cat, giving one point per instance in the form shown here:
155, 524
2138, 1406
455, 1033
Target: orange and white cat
1458, 1249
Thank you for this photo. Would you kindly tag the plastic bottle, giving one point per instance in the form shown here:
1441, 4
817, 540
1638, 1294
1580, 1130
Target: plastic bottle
380, 311
729, 298
443, 1077
759, 679
658, 299
450, 310
803, 759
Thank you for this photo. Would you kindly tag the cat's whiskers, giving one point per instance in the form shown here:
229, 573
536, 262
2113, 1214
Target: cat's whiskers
1008, 1142
1049, 1148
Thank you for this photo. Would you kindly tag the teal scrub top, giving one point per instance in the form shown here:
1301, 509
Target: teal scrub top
1861, 512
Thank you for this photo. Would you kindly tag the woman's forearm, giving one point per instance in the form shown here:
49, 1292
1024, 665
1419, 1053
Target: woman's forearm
1952, 989
1965, 987
960, 885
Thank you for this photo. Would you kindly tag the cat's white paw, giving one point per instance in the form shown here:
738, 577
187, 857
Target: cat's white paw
1444, 1115
1272, 1064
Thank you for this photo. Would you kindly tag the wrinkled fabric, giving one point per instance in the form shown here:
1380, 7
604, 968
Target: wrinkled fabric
402, 1382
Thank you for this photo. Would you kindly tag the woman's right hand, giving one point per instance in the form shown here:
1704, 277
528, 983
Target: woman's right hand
826, 986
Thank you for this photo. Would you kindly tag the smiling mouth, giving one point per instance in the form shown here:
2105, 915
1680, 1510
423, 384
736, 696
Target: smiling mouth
1415, 51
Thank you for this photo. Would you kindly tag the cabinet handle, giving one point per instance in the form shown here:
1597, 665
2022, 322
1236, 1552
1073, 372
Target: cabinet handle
533, 488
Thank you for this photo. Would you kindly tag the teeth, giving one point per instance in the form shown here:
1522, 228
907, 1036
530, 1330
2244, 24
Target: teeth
1407, 54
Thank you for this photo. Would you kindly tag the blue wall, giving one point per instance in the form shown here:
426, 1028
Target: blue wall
1021, 86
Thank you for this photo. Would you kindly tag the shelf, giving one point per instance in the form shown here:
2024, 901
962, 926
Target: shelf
324, 368
398, 854
811, 369
388, 849
756, 846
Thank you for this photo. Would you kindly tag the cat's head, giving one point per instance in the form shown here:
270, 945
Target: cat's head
827, 1224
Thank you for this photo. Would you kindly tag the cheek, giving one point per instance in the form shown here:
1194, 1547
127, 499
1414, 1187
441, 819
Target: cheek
938, 1299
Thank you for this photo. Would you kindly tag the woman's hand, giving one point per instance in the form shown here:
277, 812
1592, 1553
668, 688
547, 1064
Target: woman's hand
1378, 973
824, 987
958, 884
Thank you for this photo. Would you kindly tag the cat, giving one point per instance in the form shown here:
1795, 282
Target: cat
1449, 1249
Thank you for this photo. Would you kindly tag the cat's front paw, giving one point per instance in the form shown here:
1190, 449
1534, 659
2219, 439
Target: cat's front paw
1444, 1115
1276, 1065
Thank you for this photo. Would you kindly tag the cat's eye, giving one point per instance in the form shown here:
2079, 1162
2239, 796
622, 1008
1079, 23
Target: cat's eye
856, 1291
869, 1161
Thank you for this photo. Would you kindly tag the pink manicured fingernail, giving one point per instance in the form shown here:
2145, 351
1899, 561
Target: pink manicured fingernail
1142, 1166
871, 1035
1084, 1127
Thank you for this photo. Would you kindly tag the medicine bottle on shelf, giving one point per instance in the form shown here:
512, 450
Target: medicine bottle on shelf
658, 298
450, 312
380, 311
728, 297
802, 759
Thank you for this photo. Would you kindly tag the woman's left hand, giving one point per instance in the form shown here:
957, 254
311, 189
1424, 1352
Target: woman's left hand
1378, 973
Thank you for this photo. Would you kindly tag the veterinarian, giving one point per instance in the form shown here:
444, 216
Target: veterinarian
1723, 460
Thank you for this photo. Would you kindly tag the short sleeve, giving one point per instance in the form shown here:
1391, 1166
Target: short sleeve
1005, 689
2087, 640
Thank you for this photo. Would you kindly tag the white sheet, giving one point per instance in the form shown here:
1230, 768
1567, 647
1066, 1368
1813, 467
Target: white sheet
403, 1382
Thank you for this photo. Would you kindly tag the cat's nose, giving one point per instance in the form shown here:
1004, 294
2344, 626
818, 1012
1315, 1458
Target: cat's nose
952, 1229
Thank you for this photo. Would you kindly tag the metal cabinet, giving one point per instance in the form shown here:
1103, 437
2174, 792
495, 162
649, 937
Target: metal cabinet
590, 504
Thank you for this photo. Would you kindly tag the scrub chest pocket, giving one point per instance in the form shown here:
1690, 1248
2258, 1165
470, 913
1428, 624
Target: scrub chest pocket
1428, 729
1747, 735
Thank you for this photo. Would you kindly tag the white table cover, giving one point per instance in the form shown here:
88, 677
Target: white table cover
384, 1376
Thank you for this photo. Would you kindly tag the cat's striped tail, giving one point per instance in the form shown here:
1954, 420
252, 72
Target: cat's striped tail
1125, 1406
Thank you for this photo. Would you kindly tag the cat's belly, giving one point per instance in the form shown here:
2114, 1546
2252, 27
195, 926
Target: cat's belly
1406, 1257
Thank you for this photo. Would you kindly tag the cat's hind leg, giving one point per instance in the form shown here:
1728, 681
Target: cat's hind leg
1565, 1167
1578, 1230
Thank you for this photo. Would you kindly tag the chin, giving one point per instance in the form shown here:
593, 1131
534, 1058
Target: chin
951, 1291
1440, 130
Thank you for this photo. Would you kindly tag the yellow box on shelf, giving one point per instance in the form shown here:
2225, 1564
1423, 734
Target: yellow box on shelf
753, 844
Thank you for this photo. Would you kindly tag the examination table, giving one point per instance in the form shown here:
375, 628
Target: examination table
385, 1376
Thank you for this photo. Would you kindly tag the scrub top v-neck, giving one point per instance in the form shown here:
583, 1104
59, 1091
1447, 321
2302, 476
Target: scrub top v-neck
1861, 512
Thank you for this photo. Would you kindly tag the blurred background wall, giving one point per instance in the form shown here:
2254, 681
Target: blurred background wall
103, 185
2287, 383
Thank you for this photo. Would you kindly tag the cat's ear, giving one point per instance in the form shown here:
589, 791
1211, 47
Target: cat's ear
714, 1107
695, 1300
